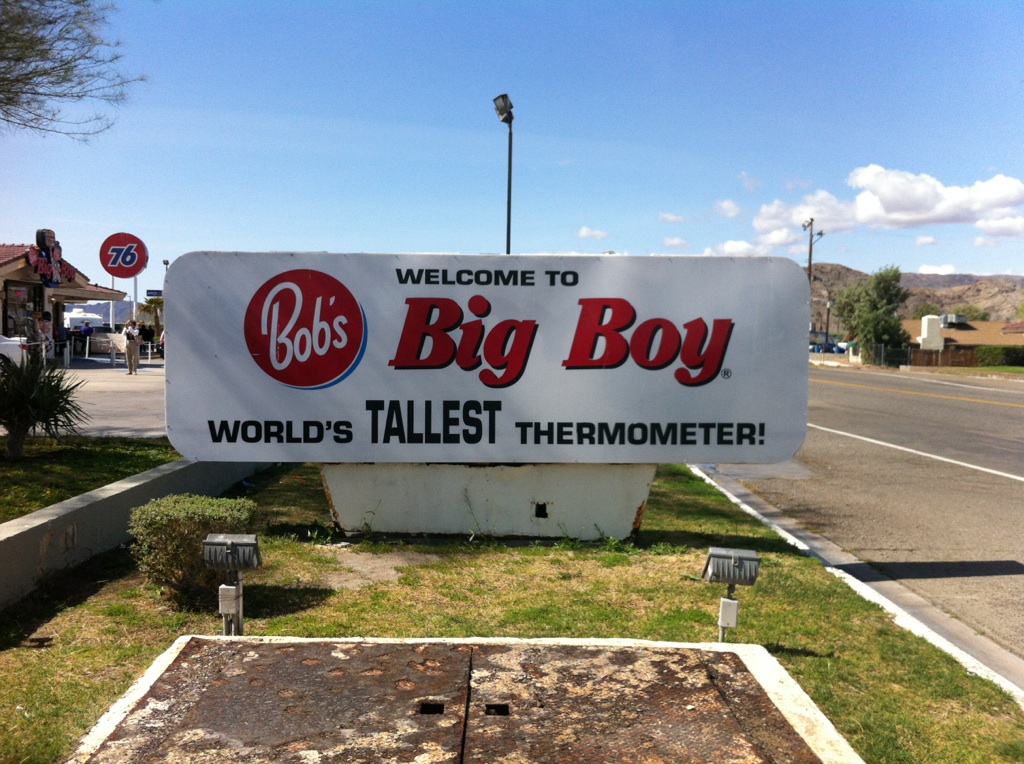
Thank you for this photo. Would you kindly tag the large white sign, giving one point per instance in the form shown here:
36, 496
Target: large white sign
492, 359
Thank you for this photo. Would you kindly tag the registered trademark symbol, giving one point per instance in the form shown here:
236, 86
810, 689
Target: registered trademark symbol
726, 373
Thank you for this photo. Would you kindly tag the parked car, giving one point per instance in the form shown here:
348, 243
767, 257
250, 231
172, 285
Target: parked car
13, 347
830, 347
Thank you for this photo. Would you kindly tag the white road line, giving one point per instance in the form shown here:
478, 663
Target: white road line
919, 453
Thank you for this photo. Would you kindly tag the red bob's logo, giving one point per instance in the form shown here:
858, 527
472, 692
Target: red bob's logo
305, 329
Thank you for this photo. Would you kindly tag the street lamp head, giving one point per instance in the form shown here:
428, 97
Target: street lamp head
503, 105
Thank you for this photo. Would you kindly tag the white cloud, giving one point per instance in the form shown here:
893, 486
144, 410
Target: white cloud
727, 208
1006, 226
942, 270
675, 241
590, 233
829, 213
737, 249
899, 199
779, 237
670, 217
896, 199
927, 241
750, 183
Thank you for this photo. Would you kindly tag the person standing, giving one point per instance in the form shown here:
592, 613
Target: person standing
131, 347
44, 327
34, 338
146, 335
85, 334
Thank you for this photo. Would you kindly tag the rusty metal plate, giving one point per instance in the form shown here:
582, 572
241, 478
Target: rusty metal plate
532, 703
490, 703
303, 701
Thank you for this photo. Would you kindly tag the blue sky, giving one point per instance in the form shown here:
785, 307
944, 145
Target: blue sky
661, 127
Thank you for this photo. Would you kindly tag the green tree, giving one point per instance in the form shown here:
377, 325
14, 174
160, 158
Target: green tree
868, 309
53, 56
153, 307
926, 309
973, 312
36, 395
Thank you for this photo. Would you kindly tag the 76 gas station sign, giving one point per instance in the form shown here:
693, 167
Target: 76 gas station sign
123, 255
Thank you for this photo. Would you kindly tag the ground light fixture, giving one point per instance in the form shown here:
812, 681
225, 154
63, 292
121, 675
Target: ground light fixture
503, 106
232, 552
734, 567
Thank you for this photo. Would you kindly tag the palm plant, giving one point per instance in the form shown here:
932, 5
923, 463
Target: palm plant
36, 395
153, 307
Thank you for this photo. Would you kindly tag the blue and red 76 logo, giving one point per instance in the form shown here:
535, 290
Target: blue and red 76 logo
123, 255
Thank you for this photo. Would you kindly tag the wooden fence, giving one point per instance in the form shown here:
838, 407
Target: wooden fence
947, 357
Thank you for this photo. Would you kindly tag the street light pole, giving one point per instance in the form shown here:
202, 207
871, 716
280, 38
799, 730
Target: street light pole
503, 106
828, 317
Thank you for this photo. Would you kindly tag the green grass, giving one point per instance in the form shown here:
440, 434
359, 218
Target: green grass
1002, 369
53, 471
978, 371
68, 652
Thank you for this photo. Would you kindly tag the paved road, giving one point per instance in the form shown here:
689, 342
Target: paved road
979, 421
944, 517
120, 404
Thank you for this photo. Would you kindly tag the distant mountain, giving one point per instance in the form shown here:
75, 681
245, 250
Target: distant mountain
1001, 296
944, 281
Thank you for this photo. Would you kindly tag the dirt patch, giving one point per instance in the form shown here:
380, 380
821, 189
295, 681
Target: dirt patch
363, 568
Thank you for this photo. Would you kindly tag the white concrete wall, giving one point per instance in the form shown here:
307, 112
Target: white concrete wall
584, 501
69, 533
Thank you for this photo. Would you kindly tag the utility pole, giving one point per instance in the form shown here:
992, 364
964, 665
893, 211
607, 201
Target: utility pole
809, 226
812, 236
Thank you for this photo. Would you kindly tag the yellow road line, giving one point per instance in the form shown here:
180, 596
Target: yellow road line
926, 395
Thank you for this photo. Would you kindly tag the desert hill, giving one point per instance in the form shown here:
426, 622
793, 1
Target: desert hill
1001, 296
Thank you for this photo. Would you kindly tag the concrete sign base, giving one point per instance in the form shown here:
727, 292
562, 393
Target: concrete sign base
584, 501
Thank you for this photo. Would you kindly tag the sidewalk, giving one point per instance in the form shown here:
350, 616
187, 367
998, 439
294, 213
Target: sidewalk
118, 403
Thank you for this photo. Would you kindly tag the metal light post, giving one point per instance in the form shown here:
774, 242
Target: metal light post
503, 106
828, 317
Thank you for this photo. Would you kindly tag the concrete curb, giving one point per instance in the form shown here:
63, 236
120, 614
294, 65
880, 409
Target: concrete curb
940, 632
69, 533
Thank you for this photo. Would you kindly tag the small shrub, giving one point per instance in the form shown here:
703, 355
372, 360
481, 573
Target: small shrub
37, 396
169, 535
1000, 355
